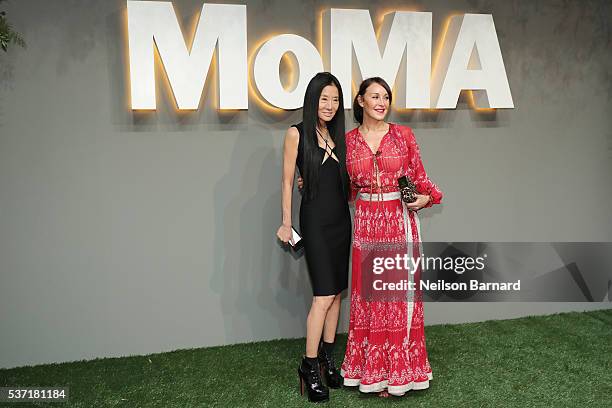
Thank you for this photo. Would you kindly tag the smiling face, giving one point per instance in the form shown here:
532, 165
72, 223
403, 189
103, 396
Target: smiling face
375, 101
329, 101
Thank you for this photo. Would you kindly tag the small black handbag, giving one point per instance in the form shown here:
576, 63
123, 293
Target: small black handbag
407, 189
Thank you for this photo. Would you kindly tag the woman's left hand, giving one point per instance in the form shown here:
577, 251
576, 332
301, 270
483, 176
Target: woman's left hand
420, 202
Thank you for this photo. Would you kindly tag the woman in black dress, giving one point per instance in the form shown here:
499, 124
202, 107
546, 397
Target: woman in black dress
317, 147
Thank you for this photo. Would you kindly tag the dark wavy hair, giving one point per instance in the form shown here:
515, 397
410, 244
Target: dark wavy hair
358, 110
312, 156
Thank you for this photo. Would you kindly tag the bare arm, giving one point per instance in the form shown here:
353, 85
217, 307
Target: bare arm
292, 139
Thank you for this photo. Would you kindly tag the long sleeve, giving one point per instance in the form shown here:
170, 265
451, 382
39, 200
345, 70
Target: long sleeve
423, 183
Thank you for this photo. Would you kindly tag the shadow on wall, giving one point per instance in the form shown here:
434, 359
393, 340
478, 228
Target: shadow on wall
253, 274
255, 279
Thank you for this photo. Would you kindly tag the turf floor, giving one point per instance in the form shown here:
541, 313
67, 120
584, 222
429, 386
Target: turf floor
561, 360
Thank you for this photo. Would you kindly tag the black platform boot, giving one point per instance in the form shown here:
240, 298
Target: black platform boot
310, 378
328, 366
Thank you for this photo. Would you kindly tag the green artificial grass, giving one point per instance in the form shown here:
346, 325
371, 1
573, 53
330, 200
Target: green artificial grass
561, 360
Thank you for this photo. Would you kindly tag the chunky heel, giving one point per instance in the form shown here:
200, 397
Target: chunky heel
310, 378
332, 376
301, 383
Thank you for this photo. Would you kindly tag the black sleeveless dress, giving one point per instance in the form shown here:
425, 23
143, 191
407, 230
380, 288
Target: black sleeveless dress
325, 225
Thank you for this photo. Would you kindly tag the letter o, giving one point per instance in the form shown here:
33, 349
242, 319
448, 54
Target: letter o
267, 61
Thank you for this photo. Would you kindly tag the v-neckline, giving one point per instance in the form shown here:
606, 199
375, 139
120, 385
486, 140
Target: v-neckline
329, 156
379, 144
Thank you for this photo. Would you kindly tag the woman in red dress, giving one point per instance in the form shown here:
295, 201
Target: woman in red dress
386, 350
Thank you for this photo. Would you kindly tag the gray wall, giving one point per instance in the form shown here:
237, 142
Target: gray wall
126, 233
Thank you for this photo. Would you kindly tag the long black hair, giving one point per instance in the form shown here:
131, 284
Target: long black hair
357, 109
312, 155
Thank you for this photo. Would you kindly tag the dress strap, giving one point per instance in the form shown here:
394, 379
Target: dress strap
328, 150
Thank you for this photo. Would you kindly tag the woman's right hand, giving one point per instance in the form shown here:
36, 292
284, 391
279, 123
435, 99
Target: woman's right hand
284, 233
300, 183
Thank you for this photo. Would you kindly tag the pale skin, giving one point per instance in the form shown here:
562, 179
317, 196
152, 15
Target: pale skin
324, 311
375, 104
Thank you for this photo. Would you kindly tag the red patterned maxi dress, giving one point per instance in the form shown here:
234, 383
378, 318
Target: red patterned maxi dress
386, 338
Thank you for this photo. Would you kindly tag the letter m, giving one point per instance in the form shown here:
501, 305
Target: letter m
220, 27
355, 52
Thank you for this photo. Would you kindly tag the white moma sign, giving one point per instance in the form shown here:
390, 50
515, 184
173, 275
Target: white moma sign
470, 57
